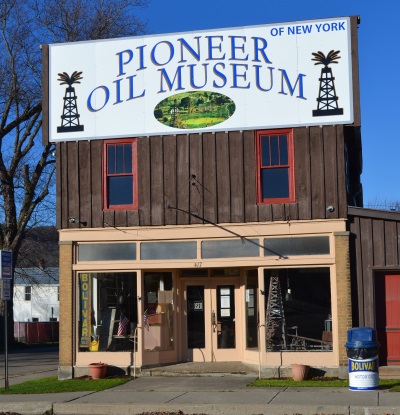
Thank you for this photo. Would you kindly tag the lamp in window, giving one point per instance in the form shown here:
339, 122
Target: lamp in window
288, 295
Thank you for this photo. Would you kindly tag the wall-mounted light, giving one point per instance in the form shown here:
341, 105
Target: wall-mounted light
71, 219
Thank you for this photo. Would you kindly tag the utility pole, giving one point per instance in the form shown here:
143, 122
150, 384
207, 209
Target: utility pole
6, 275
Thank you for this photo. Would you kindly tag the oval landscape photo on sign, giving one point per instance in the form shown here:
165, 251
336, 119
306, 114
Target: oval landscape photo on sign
197, 109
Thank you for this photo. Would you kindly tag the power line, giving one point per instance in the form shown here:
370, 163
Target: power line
195, 215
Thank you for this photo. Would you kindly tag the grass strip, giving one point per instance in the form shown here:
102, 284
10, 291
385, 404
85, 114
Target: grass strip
392, 384
53, 385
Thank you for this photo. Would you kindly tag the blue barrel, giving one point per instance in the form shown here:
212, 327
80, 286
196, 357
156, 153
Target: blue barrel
362, 351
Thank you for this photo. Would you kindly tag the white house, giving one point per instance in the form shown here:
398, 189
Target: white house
36, 294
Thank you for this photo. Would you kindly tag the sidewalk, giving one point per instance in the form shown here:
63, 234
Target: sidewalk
217, 394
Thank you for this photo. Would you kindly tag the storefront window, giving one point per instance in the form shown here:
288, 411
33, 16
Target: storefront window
298, 309
108, 312
158, 332
251, 309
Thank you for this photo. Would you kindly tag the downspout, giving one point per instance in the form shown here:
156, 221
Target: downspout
74, 311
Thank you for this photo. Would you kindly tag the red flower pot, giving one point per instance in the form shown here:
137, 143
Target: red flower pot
98, 370
299, 372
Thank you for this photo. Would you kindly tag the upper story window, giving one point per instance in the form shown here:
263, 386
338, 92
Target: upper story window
28, 293
275, 166
120, 174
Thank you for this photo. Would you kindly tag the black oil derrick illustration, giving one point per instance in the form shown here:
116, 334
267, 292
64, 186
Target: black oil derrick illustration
70, 116
327, 100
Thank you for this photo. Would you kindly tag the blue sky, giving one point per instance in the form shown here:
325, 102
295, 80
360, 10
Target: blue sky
379, 63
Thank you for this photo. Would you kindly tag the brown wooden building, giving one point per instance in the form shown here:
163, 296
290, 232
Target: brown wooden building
213, 245
212, 178
375, 254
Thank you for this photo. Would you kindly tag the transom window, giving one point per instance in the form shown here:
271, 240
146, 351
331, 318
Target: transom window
120, 174
275, 175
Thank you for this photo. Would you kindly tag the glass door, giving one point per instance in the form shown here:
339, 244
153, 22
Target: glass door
226, 329
209, 320
196, 329
225, 321
196, 321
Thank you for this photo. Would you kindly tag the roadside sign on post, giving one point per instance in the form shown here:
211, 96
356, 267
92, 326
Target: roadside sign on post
5, 289
6, 271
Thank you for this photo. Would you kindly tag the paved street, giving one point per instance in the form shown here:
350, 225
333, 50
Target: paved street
29, 363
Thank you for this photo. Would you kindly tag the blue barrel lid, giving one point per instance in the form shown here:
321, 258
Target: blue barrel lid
361, 338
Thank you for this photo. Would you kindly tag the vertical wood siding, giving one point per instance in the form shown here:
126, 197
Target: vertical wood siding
209, 178
170, 182
374, 247
200, 178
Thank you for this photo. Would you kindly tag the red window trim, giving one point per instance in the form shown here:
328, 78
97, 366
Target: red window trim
106, 143
291, 197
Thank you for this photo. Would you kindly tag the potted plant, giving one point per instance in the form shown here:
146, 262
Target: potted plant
299, 371
98, 370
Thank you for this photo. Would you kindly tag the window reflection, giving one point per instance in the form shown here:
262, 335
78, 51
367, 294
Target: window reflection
275, 179
251, 309
158, 331
108, 311
298, 309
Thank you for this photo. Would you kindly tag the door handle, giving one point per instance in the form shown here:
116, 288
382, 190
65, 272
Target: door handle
213, 321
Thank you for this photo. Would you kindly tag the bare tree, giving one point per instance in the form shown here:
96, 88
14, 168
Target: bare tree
27, 168
392, 205
39, 248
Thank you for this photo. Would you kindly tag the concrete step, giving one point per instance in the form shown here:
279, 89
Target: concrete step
236, 369
200, 369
